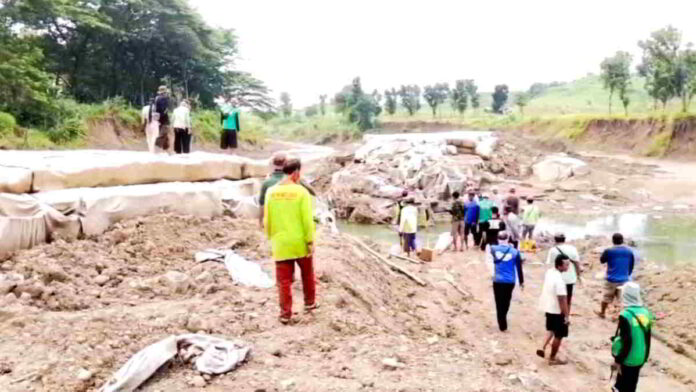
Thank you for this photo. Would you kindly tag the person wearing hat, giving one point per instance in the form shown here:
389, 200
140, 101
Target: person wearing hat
278, 162
572, 275
182, 128
408, 225
631, 344
161, 105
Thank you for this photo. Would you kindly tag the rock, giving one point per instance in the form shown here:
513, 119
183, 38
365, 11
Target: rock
495, 167
503, 360
25, 297
197, 381
432, 340
392, 364
102, 279
176, 280
34, 289
451, 150
287, 384
559, 167
204, 277
84, 374
9, 281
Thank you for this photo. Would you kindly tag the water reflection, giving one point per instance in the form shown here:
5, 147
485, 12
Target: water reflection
669, 239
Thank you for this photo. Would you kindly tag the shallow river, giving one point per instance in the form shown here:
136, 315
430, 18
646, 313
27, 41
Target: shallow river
670, 239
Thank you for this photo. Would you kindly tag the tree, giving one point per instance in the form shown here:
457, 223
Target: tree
322, 104
459, 97
390, 101
616, 76
285, 104
410, 98
311, 111
471, 89
247, 91
361, 109
685, 77
521, 100
659, 63
500, 97
435, 95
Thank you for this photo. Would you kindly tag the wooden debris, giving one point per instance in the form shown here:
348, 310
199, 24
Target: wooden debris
387, 262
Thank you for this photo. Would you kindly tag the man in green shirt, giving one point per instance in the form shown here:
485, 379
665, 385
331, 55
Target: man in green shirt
229, 120
289, 224
485, 215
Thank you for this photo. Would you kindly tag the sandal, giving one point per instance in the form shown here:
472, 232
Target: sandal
311, 307
540, 353
556, 362
285, 320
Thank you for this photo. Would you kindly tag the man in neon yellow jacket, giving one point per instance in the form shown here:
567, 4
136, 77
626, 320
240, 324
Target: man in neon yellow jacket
289, 224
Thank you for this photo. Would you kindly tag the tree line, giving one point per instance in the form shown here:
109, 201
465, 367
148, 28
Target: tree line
92, 50
668, 66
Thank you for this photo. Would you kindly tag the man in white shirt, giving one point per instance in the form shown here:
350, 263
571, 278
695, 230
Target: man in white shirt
553, 302
572, 275
408, 225
182, 128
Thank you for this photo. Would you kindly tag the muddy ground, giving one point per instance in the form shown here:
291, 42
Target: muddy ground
91, 304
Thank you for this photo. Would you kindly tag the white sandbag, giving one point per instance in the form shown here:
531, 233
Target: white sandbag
212, 356
25, 222
241, 270
444, 241
15, 179
246, 207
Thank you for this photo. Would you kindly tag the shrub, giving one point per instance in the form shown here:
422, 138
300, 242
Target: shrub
7, 123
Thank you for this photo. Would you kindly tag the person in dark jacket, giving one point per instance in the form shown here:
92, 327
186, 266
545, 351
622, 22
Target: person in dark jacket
507, 265
634, 330
161, 106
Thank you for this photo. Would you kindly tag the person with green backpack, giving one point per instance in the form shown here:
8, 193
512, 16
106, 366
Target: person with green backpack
631, 343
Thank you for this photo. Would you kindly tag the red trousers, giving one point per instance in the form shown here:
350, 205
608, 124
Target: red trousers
285, 270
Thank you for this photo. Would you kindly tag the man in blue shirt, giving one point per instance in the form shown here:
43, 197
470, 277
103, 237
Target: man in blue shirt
471, 218
620, 260
507, 264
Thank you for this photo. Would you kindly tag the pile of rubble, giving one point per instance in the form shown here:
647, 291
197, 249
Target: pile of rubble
429, 166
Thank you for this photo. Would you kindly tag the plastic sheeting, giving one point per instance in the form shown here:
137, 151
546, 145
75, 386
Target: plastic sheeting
25, 222
241, 270
36, 171
212, 356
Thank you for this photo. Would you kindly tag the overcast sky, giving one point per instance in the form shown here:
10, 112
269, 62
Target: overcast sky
312, 47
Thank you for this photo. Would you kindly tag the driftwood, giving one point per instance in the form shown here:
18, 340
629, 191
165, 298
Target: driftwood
387, 262
406, 259
450, 279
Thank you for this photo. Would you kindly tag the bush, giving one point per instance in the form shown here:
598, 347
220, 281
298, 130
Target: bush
7, 124
67, 131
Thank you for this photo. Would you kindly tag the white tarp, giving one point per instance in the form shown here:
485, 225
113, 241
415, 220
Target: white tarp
212, 356
53, 170
241, 270
25, 222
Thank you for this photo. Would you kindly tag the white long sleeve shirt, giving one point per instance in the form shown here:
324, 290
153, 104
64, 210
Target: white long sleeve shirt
182, 118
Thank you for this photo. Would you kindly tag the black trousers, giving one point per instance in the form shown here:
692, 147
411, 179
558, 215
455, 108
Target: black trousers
483, 234
627, 380
182, 141
503, 296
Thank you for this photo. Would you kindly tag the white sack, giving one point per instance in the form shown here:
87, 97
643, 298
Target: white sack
444, 241
15, 179
218, 356
241, 270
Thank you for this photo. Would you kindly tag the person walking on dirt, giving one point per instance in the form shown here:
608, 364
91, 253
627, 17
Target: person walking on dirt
458, 212
278, 162
554, 303
631, 345
507, 264
182, 128
408, 225
513, 201
471, 218
289, 224
572, 275
495, 226
620, 261
512, 226
485, 215
530, 217
399, 206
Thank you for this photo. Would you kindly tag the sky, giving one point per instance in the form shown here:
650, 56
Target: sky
313, 47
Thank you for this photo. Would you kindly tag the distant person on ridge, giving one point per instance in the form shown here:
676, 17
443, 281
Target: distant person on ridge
289, 224
398, 207
507, 269
530, 217
471, 219
182, 128
554, 303
620, 261
631, 345
229, 119
161, 107
458, 212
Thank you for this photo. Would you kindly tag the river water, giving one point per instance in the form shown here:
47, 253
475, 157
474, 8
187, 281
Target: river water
668, 239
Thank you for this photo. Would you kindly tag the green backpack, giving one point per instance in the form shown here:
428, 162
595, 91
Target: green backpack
617, 342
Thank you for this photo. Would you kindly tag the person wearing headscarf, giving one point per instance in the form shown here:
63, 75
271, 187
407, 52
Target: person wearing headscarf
632, 349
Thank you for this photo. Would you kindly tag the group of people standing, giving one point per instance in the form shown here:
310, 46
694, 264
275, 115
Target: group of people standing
156, 124
480, 216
